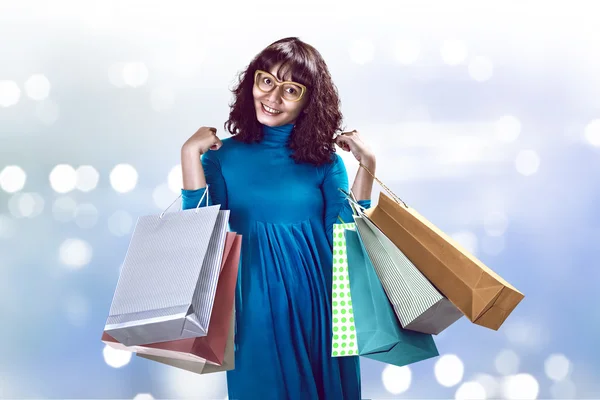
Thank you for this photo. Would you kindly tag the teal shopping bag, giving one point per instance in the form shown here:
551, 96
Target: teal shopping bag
378, 331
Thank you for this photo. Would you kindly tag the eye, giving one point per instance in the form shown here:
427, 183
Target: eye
267, 81
291, 90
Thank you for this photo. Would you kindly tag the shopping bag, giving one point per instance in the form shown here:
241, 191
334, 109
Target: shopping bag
167, 284
344, 335
202, 366
477, 291
212, 346
418, 305
378, 331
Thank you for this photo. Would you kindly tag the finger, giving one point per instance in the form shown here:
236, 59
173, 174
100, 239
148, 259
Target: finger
342, 142
218, 144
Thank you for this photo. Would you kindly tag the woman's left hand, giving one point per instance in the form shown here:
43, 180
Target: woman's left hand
351, 141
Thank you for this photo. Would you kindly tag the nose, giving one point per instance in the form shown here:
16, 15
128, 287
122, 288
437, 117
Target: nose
275, 96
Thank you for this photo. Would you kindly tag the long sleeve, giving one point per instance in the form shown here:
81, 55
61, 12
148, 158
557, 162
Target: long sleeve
336, 205
217, 190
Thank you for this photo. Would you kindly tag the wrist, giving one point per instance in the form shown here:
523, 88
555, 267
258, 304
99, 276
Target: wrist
369, 161
190, 150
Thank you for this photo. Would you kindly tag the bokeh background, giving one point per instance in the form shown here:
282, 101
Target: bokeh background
485, 117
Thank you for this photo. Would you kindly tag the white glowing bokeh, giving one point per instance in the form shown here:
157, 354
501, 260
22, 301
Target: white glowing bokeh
47, 111
75, 253
116, 358
557, 367
406, 51
120, 223
527, 162
592, 132
143, 396
163, 196
565, 389
87, 178
135, 74
63, 178
481, 69
162, 98
175, 179
188, 385
453, 51
507, 128
77, 310
64, 208
449, 370
396, 380
7, 227
115, 74
489, 383
522, 332
9, 93
86, 216
470, 391
467, 240
37, 87
495, 223
492, 245
362, 51
507, 362
123, 178
12, 178
520, 387
26, 205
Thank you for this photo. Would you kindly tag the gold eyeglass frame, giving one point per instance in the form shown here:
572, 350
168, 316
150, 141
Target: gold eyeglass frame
278, 83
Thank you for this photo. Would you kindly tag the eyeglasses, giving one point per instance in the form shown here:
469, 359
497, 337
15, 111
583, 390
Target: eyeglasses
266, 83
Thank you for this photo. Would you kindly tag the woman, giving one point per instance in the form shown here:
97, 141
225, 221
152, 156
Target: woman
279, 175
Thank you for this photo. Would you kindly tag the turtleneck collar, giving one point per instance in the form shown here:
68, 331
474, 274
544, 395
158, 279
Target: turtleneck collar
277, 135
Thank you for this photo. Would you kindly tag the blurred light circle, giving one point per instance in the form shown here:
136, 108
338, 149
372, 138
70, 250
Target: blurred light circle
163, 197
527, 162
592, 132
64, 209
453, 51
467, 240
9, 93
522, 332
63, 178
120, 223
7, 227
565, 389
481, 69
116, 358
489, 383
27, 205
123, 178
406, 51
86, 216
508, 128
470, 391
492, 245
175, 179
135, 74
520, 387
37, 87
162, 98
362, 51
75, 253
12, 178
507, 362
143, 396
47, 111
115, 74
396, 380
77, 310
449, 370
495, 223
557, 367
87, 178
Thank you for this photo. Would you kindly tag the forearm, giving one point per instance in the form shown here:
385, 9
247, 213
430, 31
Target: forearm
191, 168
363, 182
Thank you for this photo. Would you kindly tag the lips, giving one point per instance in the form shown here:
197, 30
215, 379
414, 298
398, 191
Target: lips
270, 111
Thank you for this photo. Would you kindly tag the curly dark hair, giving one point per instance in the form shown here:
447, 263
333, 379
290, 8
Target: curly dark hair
312, 139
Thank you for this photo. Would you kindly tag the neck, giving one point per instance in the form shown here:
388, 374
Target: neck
277, 135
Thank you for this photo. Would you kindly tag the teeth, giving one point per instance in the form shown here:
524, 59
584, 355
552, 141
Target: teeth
269, 109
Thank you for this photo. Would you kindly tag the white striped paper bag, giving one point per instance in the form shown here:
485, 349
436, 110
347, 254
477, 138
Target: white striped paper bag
344, 331
417, 303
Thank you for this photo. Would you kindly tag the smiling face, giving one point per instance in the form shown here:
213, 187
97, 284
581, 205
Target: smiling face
272, 109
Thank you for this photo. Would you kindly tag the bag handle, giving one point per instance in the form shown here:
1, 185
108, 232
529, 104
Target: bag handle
197, 207
398, 199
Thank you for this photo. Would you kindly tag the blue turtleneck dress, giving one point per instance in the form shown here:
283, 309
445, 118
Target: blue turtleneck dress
285, 212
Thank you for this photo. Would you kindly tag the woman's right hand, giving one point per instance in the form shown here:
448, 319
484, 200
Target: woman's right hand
203, 140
